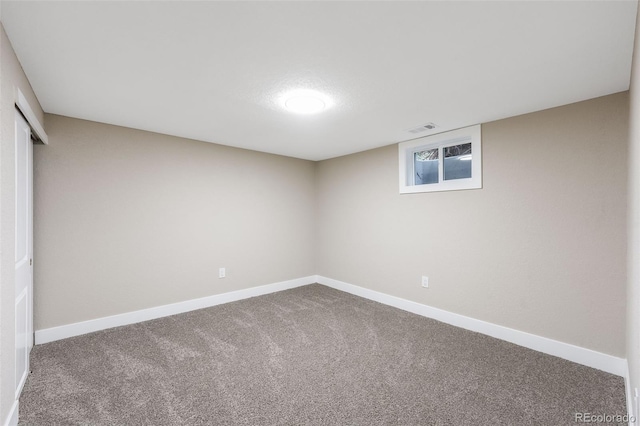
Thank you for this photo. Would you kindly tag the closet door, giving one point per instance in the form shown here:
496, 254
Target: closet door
24, 250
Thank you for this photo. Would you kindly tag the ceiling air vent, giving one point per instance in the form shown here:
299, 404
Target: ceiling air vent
423, 128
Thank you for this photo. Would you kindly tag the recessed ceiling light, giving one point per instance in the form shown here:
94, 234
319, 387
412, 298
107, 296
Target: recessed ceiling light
304, 105
305, 102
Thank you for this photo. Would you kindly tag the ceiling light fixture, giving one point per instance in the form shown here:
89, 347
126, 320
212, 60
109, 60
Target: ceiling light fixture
304, 105
305, 102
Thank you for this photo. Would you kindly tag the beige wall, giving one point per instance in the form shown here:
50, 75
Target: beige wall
127, 220
541, 248
11, 78
633, 264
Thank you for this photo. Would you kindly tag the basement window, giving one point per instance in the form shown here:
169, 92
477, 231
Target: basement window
447, 161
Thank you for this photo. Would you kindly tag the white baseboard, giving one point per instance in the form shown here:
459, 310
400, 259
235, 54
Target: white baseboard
12, 418
64, 331
632, 404
628, 393
588, 357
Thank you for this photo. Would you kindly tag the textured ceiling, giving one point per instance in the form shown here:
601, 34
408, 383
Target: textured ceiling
214, 71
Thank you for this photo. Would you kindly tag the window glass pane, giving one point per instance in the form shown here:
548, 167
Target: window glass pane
425, 165
457, 162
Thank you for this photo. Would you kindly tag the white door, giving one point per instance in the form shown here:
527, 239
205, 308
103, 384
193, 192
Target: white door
24, 250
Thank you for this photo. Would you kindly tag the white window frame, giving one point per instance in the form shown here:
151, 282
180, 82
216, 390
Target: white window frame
406, 152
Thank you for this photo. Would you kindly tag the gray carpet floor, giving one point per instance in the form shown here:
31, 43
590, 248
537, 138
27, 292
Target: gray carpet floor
311, 355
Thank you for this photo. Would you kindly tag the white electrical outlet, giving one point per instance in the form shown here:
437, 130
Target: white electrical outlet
425, 282
222, 273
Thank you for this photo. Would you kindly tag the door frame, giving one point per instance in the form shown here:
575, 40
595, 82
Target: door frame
36, 127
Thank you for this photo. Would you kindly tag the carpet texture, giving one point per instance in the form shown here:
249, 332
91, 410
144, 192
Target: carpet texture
310, 355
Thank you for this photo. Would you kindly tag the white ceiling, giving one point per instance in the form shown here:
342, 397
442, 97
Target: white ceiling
214, 71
